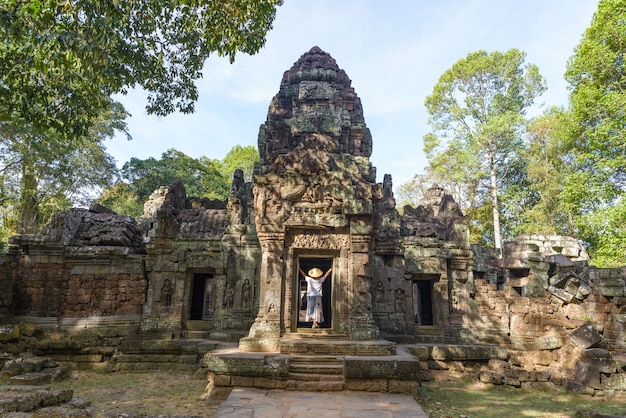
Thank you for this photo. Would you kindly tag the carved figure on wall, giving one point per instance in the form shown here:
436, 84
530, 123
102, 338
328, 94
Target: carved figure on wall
246, 293
229, 296
399, 301
166, 293
307, 196
387, 187
328, 202
314, 279
238, 182
380, 293
454, 300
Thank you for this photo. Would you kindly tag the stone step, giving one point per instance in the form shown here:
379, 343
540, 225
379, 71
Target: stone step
196, 335
331, 347
299, 358
33, 378
317, 368
316, 377
315, 386
315, 333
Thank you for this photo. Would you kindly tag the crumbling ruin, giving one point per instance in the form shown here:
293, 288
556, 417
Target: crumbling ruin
218, 282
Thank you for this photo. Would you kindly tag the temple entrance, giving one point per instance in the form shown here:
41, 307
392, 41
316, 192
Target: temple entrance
423, 301
306, 313
201, 297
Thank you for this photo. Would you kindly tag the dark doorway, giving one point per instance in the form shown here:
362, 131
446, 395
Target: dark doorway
201, 297
423, 302
306, 264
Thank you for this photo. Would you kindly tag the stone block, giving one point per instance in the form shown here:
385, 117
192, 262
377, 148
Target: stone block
521, 375
8, 405
265, 382
611, 291
616, 381
9, 333
543, 375
512, 381
562, 294
595, 353
498, 365
57, 373
604, 365
548, 342
492, 377
10, 369
376, 385
561, 261
408, 387
585, 336
356, 384
588, 375
33, 378
225, 380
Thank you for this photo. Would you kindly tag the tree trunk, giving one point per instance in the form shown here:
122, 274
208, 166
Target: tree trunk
29, 212
494, 203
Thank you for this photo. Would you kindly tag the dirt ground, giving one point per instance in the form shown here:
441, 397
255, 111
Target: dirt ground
144, 393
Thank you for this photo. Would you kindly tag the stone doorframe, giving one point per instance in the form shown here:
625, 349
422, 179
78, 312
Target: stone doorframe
294, 287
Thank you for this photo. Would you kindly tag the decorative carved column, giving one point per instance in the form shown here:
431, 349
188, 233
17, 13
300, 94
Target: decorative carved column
361, 324
265, 333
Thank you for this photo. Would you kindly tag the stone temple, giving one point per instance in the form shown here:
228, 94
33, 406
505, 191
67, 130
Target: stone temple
219, 284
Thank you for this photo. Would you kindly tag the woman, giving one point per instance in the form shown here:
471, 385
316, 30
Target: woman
314, 279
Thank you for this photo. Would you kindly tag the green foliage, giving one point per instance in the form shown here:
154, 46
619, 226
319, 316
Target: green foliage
477, 113
595, 147
43, 171
202, 177
58, 58
411, 192
242, 158
121, 199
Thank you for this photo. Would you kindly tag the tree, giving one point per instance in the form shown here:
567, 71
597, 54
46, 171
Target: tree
201, 177
546, 172
596, 145
477, 113
42, 172
60, 60
242, 158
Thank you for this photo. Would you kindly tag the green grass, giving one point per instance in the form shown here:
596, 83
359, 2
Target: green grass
462, 397
156, 393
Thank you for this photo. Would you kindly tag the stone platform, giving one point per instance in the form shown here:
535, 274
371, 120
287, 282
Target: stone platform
319, 365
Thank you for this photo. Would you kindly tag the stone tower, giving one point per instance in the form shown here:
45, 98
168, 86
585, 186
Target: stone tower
314, 197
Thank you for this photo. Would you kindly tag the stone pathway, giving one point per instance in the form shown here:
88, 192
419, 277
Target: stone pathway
273, 403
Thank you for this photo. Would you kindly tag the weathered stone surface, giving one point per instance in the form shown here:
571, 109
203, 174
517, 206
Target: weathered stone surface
492, 377
252, 365
588, 375
9, 333
357, 368
616, 381
548, 342
562, 294
33, 378
585, 336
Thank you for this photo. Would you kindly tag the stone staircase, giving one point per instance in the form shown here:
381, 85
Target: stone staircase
316, 373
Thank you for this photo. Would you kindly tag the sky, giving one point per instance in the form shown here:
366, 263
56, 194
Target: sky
394, 52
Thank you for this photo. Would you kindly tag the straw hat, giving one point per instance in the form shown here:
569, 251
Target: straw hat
315, 273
